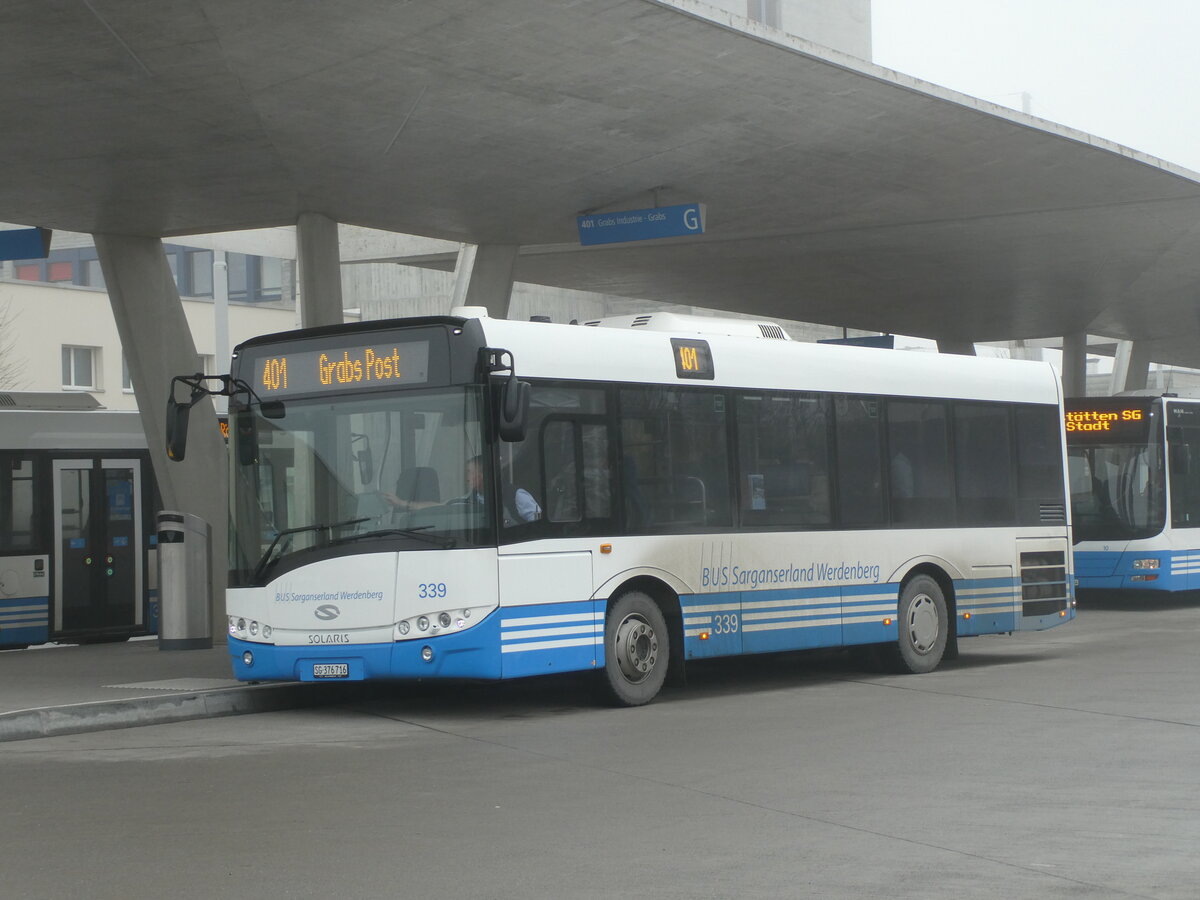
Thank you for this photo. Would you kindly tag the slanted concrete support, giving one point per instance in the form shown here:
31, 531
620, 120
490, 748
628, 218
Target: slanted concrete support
158, 346
1131, 368
961, 348
1074, 364
320, 264
484, 277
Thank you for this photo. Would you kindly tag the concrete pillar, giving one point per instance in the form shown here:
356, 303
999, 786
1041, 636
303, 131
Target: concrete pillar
1074, 364
484, 277
961, 348
1131, 368
319, 261
158, 345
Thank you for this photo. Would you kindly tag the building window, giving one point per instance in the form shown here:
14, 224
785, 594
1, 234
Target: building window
270, 278
236, 271
91, 274
29, 271
60, 270
198, 272
765, 11
126, 378
79, 367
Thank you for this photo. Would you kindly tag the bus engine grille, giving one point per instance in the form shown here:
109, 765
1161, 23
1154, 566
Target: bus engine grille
1044, 589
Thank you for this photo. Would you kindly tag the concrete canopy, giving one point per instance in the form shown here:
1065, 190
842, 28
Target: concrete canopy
837, 192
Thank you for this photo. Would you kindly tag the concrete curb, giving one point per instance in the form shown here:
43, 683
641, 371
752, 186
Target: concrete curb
103, 715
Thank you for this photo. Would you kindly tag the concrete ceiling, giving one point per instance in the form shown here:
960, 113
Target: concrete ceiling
837, 192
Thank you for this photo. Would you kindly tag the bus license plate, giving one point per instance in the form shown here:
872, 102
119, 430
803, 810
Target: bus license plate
331, 670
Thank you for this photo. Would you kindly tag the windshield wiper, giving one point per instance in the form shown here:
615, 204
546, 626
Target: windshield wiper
437, 540
266, 562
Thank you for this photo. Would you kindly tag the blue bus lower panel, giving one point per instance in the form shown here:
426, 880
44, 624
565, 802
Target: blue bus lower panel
728, 623
1178, 570
509, 643
551, 637
473, 653
24, 620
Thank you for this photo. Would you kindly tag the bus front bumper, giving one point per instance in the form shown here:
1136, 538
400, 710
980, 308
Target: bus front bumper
467, 654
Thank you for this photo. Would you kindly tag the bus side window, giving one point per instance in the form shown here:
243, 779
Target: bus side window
783, 459
859, 459
566, 469
674, 459
19, 523
1184, 460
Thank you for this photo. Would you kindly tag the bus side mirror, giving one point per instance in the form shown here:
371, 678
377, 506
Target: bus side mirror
247, 438
177, 428
514, 410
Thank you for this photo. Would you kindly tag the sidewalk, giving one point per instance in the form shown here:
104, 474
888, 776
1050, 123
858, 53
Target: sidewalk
68, 689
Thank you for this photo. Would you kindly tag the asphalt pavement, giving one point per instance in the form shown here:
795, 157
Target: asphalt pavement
66, 689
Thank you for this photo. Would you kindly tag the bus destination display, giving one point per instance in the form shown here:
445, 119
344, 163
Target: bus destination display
362, 366
693, 359
1118, 421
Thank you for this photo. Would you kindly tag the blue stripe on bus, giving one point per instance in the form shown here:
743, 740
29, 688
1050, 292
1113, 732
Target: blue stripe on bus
992, 605
551, 637
767, 621
24, 620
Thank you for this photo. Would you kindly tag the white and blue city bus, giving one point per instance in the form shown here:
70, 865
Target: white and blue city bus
77, 544
1134, 467
404, 506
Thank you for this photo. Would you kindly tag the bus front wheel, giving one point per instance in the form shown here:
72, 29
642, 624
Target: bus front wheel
923, 624
636, 650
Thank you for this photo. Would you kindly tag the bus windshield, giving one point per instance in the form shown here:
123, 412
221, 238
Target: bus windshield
357, 473
1117, 491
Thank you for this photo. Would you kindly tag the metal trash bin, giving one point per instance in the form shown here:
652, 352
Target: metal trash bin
184, 582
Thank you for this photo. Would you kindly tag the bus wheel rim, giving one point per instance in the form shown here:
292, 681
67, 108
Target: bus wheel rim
636, 648
923, 623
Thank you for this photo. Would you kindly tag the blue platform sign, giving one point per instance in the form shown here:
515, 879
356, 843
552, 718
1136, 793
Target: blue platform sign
25, 243
641, 224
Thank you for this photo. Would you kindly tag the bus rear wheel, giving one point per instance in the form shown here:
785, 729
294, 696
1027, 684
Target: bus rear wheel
924, 627
636, 650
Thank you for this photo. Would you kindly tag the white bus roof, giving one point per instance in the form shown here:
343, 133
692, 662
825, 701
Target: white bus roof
679, 323
546, 350
68, 430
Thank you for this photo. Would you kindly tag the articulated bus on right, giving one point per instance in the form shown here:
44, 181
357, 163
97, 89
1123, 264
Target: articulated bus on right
1135, 492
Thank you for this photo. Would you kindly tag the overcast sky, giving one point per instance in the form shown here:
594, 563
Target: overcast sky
1125, 70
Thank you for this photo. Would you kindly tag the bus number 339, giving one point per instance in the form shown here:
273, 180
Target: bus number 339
725, 624
431, 590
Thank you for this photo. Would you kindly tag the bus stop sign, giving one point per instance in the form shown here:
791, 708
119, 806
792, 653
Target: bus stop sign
641, 224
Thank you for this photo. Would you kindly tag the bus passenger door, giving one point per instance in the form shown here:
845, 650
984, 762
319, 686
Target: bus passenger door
98, 532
